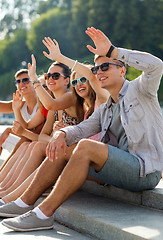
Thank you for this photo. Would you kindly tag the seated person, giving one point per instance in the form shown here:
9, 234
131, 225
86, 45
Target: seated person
133, 116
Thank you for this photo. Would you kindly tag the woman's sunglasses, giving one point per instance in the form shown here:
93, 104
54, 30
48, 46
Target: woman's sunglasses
75, 82
24, 81
55, 75
104, 67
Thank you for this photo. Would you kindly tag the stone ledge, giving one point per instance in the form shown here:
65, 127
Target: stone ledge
108, 219
151, 198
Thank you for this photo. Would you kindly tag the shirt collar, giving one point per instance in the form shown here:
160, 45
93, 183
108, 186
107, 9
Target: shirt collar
122, 92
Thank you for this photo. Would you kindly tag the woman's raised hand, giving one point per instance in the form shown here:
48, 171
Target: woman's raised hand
53, 47
32, 69
101, 41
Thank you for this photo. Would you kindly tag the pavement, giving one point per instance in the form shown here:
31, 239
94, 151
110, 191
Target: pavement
104, 213
60, 231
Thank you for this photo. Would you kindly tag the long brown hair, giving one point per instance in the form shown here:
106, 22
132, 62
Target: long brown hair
80, 102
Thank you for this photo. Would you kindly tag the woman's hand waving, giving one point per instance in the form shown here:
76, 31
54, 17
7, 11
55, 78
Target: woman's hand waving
53, 47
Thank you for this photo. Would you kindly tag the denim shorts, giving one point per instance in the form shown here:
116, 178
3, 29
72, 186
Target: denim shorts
122, 170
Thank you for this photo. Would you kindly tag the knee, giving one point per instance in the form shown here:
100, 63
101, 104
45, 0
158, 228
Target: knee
40, 146
24, 144
31, 145
82, 148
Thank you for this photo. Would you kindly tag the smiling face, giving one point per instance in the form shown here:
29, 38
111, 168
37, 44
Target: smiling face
82, 89
113, 77
60, 83
24, 88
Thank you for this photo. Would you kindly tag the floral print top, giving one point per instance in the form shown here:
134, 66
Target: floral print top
66, 118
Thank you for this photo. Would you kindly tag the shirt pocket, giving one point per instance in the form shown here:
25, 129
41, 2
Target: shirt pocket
133, 110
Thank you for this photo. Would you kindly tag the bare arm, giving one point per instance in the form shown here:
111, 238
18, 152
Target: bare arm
151, 66
48, 128
55, 54
6, 107
49, 103
19, 130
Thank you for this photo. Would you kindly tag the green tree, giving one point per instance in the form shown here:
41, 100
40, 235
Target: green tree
77, 27
45, 6
17, 15
7, 85
53, 24
14, 52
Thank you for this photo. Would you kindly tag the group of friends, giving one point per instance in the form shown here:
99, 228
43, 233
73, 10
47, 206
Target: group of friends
79, 122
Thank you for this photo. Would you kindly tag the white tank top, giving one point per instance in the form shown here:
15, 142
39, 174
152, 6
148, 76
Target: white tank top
25, 113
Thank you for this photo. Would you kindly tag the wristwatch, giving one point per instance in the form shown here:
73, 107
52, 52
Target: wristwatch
110, 51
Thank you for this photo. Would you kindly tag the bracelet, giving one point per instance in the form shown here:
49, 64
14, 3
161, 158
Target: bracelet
110, 51
36, 81
72, 69
37, 86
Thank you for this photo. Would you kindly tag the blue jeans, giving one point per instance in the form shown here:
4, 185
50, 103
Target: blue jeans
122, 170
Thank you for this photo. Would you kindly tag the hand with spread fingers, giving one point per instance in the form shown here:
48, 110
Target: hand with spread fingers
101, 41
53, 47
17, 100
56, 144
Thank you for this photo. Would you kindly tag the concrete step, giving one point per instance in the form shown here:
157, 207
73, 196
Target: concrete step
108, 219
58, 232
151, 198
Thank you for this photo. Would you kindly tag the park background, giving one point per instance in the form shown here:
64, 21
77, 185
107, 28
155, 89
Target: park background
133, 24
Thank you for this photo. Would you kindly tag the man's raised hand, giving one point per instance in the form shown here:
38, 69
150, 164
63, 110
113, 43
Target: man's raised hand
101, 41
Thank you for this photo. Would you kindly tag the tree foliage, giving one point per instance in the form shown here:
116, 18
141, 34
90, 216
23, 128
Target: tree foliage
135, 24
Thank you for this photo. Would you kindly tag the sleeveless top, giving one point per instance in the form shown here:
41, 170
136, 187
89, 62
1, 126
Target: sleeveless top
25, 113
66, 118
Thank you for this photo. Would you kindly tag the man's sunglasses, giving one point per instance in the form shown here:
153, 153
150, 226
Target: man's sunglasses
104, 67
55, 75
75, 82
24, 80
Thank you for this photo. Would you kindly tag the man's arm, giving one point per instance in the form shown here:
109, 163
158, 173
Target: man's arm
85, 129
151, 66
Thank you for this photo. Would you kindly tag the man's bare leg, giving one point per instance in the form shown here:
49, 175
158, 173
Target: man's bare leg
46, 176
75, 173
